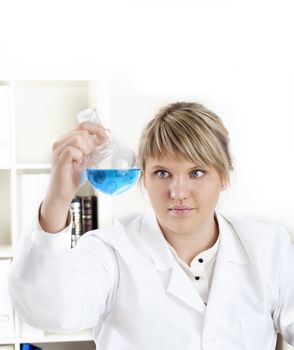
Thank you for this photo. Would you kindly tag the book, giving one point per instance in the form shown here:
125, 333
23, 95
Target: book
84, 214
89, 213
27, 346
76, 210
95, 212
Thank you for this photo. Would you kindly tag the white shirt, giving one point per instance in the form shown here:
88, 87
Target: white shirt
201, 269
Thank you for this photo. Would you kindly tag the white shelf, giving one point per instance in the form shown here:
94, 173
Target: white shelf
32, 166
33, 115
6, 251
5, 167
85, 335
4, 341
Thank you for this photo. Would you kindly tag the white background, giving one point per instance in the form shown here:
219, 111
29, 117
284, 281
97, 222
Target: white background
236, 57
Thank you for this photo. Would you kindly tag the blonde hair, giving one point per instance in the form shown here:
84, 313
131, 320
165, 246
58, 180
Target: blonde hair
187, 130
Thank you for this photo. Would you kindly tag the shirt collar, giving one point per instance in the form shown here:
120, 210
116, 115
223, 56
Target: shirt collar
207, 255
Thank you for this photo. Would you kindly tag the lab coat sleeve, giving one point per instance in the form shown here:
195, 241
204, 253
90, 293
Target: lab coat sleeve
59, 289
284, 311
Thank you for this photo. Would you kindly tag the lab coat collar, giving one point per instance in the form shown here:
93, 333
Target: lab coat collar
230, 242
174, 279
155, 242
178, 284
231, 261
157, 247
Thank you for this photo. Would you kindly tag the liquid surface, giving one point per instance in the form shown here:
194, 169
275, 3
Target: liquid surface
112, 181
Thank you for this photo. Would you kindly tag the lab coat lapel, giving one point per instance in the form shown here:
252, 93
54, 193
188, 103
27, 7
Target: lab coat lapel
174, 279
181, 287
224, 285
231, 261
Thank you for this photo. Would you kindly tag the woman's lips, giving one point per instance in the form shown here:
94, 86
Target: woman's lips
179, 210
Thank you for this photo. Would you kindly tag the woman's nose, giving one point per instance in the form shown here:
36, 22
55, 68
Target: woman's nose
179, 189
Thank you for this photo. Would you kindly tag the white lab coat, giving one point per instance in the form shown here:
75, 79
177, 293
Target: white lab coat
125, 282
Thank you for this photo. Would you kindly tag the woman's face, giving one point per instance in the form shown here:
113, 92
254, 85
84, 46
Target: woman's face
183, 194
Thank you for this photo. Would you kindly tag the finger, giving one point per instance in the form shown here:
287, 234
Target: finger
99, 138
87, 161
93, 129
88, 128
97, 132
70, 155
81, 140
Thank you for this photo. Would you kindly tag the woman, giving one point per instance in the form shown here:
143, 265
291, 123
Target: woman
180, 276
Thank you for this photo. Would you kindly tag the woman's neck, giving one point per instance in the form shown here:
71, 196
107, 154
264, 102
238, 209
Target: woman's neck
189, 245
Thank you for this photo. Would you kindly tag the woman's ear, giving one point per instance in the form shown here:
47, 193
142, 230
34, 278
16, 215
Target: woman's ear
142, 180
224, 184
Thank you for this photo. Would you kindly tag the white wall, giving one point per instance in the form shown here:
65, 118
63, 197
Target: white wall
237, 58
234, 56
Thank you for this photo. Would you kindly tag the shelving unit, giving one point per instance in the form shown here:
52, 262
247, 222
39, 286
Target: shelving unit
33, 114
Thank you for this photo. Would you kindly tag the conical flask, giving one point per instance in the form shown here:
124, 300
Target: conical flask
114, 167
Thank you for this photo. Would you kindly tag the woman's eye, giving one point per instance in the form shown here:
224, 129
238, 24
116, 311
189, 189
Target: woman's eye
162, 173
197, 173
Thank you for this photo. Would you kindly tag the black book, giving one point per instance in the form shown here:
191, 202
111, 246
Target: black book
89, 213
76, 208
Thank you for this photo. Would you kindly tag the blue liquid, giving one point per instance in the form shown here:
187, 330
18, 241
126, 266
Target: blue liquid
112, 181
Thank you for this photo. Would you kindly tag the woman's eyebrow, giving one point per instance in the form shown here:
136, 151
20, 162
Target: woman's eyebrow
161, 166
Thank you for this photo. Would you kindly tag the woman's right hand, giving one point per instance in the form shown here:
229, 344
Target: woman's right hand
71, 155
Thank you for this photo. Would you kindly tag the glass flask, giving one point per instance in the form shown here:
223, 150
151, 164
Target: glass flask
114, 167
